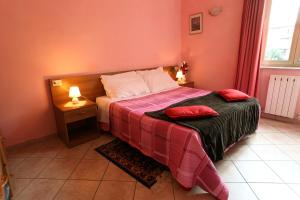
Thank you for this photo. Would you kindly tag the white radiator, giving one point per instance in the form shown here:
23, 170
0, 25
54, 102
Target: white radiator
282, 95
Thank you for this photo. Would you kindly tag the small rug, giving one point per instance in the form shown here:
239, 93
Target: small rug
143, 168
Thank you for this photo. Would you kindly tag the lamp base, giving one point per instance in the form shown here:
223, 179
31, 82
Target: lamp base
181, 80
75, 100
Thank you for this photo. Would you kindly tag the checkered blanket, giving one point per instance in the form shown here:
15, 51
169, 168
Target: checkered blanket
175, 146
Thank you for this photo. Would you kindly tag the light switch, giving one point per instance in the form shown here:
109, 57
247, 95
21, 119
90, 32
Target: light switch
56, 83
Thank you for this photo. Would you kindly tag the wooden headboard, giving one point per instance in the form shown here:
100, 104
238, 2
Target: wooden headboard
90, 85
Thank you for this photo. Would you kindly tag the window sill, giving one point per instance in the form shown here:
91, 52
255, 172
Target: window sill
281, 68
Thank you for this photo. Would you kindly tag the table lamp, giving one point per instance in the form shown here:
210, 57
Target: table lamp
74, 93
180, 76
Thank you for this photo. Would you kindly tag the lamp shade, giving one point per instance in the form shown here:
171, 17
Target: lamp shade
74, 92
179, 74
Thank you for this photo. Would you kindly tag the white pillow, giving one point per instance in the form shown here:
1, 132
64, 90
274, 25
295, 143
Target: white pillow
158, 80
124, 85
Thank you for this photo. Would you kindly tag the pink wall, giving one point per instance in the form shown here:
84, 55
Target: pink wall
264, 83
39, 39
213, 53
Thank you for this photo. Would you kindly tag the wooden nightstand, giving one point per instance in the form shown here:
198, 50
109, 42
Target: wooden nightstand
76, 124
187, 84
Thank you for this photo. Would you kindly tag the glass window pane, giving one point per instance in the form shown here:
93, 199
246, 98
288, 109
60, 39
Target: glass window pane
282, 23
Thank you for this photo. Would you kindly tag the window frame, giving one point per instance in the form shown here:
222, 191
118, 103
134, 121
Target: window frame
294, 57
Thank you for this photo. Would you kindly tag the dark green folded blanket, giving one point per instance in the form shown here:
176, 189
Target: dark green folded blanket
236, 120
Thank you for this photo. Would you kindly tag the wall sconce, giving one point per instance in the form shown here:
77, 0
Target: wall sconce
215, 11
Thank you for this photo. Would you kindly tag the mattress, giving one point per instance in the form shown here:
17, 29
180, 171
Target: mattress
103, 104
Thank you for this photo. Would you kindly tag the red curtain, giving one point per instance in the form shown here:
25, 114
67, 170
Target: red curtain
250, 46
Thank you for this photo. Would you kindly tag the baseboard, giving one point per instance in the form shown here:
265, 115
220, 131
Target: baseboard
31, 141
278, 118
41, 139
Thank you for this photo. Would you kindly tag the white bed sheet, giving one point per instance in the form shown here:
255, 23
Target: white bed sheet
103, 104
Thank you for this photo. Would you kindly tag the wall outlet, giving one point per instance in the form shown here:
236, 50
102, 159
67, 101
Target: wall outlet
56, 83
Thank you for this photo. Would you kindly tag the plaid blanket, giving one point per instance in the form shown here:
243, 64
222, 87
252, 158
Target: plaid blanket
236, 120
175, 146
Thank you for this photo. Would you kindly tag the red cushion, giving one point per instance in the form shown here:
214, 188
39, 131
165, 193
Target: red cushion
233, 95
186, 112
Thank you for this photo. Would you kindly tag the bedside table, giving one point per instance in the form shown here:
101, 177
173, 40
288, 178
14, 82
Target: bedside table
76, 124
187, 84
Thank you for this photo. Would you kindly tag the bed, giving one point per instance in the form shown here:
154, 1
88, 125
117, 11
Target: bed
178, 147
175, 146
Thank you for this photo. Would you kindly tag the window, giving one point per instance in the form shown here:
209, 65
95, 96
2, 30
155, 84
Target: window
283, 42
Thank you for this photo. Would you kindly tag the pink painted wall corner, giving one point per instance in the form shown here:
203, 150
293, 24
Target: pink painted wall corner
213, 53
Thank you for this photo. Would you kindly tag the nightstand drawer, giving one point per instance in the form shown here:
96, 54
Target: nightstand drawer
80, 114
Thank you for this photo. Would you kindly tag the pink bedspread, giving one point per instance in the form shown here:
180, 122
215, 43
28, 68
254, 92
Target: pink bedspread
178, 147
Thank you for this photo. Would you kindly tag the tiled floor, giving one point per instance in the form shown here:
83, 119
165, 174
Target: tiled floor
263, 166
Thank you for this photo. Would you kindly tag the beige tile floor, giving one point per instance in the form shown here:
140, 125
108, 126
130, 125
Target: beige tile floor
264, 166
